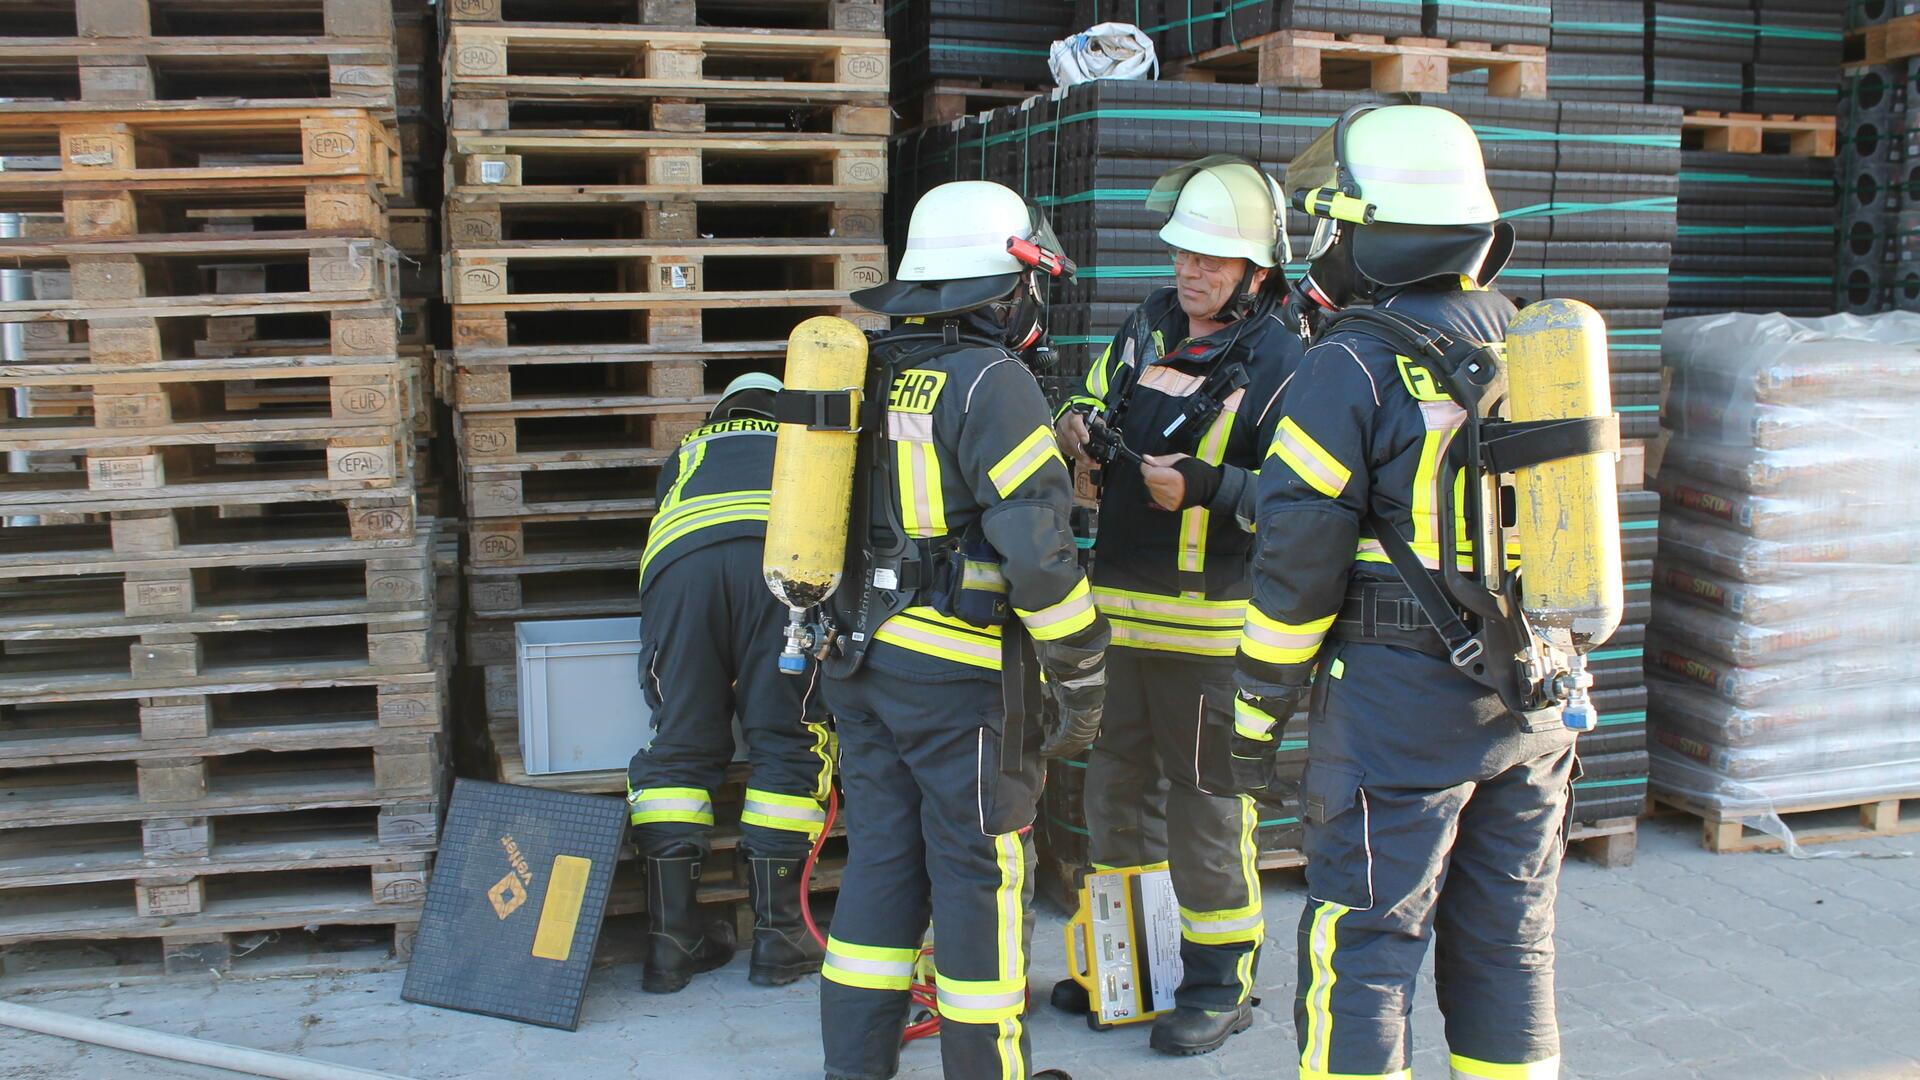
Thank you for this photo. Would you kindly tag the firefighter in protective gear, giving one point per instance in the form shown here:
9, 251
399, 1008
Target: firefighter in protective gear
1192, 383
1431, 808
961, 550
708, 641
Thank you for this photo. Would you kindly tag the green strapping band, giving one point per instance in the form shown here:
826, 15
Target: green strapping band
1626, 782
1593, 271
1639, 586
998, 49
1602, 27
1665, 204
1707, 27
1492, 133
1799, 34
1617, 719
1490, 5
1691, 84
1743, 178
1264, 822
1757, 230
1639, 524
1636, 408
1077, 340
1617, 654
1769, 279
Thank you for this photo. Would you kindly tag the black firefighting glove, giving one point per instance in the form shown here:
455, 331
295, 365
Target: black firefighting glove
1202, 481
1257, 724
1074, 672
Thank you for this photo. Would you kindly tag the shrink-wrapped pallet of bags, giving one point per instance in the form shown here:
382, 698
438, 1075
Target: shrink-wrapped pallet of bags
1779, 662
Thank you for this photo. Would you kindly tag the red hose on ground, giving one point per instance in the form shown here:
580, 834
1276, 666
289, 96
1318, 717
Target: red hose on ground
923, 994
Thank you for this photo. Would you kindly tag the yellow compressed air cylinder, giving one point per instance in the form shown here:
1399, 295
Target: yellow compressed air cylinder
813, 469
1568, 512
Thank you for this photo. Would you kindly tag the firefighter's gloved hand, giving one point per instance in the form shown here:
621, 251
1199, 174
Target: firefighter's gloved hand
1257, 724
1076, 680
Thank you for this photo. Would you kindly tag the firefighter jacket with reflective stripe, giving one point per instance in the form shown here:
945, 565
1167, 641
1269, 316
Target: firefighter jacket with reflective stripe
715, 487
968, 448
1177, 582
1361, 430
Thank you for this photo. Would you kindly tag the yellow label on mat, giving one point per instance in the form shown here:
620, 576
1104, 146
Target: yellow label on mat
566, 890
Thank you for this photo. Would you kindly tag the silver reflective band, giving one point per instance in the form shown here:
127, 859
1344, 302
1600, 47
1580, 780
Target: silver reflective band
886, 969
981, 1002
789, 813
1222, 926
1197, 224
935, 243
1394, 175
694, 806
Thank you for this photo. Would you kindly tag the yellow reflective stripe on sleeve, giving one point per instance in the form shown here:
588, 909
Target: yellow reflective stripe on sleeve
1182, 610
1309, 460
790, 813
869, 967
1271, 641
648, 806
923, 507
1253, 723
923, 630
1024, 460
1318, 998
1071, 615
980, 1001
1466, 1068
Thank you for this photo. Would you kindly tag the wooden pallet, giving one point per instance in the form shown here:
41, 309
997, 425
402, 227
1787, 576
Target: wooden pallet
1814, 822
318, 208
1754, 133
231, 904
675, 321
1610, 843
130, 477
549, 544
1896, 39
77, 597
143, 18
327, 714
309, 949
491, 169
403, 773
1305, 59
541, 592
138, 659
845, 16
188, 401
172, 146
289, 527
562, 63
612, 483
660, 273
354, 72
948, 100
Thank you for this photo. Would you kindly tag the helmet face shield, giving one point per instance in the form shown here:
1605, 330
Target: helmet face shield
1326, 232
1318, 166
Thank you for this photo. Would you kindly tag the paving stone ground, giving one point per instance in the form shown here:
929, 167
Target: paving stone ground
1687, 965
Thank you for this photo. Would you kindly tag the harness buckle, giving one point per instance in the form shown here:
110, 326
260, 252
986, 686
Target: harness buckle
1467, 653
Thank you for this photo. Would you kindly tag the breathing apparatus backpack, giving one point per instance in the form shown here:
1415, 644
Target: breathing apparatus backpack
1523, 635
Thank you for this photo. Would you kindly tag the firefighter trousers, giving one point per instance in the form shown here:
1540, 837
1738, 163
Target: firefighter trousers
1430, 815
935, 828
709, 643
1145, 806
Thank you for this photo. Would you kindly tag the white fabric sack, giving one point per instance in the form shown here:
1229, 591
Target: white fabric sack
1108, 51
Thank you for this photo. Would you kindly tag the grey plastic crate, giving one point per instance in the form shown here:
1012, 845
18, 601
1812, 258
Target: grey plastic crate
580, 703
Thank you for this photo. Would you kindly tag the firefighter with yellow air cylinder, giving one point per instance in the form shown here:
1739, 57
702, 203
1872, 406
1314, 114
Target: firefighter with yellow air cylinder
1445, 678
1178, 412
959, 567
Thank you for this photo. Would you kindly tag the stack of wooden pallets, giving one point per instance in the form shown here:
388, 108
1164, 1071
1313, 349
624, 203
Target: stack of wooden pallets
220, 719
639, 207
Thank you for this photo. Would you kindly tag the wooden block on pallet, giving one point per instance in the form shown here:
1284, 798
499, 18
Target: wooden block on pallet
158, 592
158, 655
161, 897
173, 780
176, 838
163, 718
400, 881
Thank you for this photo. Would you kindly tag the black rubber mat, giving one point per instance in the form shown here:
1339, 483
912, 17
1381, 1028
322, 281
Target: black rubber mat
516, 901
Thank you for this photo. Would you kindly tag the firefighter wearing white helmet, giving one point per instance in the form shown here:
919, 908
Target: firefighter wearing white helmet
1433, 797
708, 641
960, 554
1177, 413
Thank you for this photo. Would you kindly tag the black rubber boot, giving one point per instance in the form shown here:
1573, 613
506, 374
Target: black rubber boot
1187, 1030
680, 944
783, 950
1070, 997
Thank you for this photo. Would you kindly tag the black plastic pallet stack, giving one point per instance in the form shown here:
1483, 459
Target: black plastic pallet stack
1597, 51
1872, 187
1697, 53
1756, 235
1797, 46
1183, 28
988, 41
1519, 22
